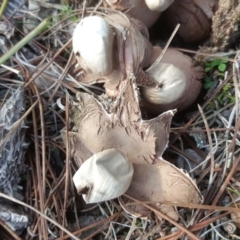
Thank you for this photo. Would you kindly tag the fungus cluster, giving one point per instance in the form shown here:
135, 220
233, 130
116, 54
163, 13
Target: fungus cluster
118, 152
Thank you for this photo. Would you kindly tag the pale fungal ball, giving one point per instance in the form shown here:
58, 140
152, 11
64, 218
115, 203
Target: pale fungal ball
172, 84
147, 11
93, 44
104, 176
158, 5
178, 79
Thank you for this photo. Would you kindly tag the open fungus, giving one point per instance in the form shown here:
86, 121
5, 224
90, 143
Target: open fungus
115, 148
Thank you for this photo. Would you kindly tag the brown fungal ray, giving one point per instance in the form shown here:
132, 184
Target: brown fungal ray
161, 182
140, 211
96, 130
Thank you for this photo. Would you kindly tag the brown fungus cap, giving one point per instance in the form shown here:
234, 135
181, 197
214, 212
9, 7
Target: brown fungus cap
194, 17
178, 79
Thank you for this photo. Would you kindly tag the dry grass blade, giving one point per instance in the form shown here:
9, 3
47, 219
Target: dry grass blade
68, 169
40, 173
186, 231
211, 147
165, 48
24, 41
3, 7
7, 233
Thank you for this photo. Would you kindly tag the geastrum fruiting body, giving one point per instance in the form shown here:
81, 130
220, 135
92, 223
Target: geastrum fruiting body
128, 52
178, 79
121, 129
142, 142
194, 17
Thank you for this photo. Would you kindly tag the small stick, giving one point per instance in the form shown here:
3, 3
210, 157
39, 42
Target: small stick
165, 48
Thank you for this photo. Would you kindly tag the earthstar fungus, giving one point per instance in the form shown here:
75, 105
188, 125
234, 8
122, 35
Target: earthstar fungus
120, 129
179, 82
111, 59
141, 141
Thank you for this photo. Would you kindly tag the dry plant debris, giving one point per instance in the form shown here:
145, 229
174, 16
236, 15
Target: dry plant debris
12, 152
12, 149
85, 104
226, 30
